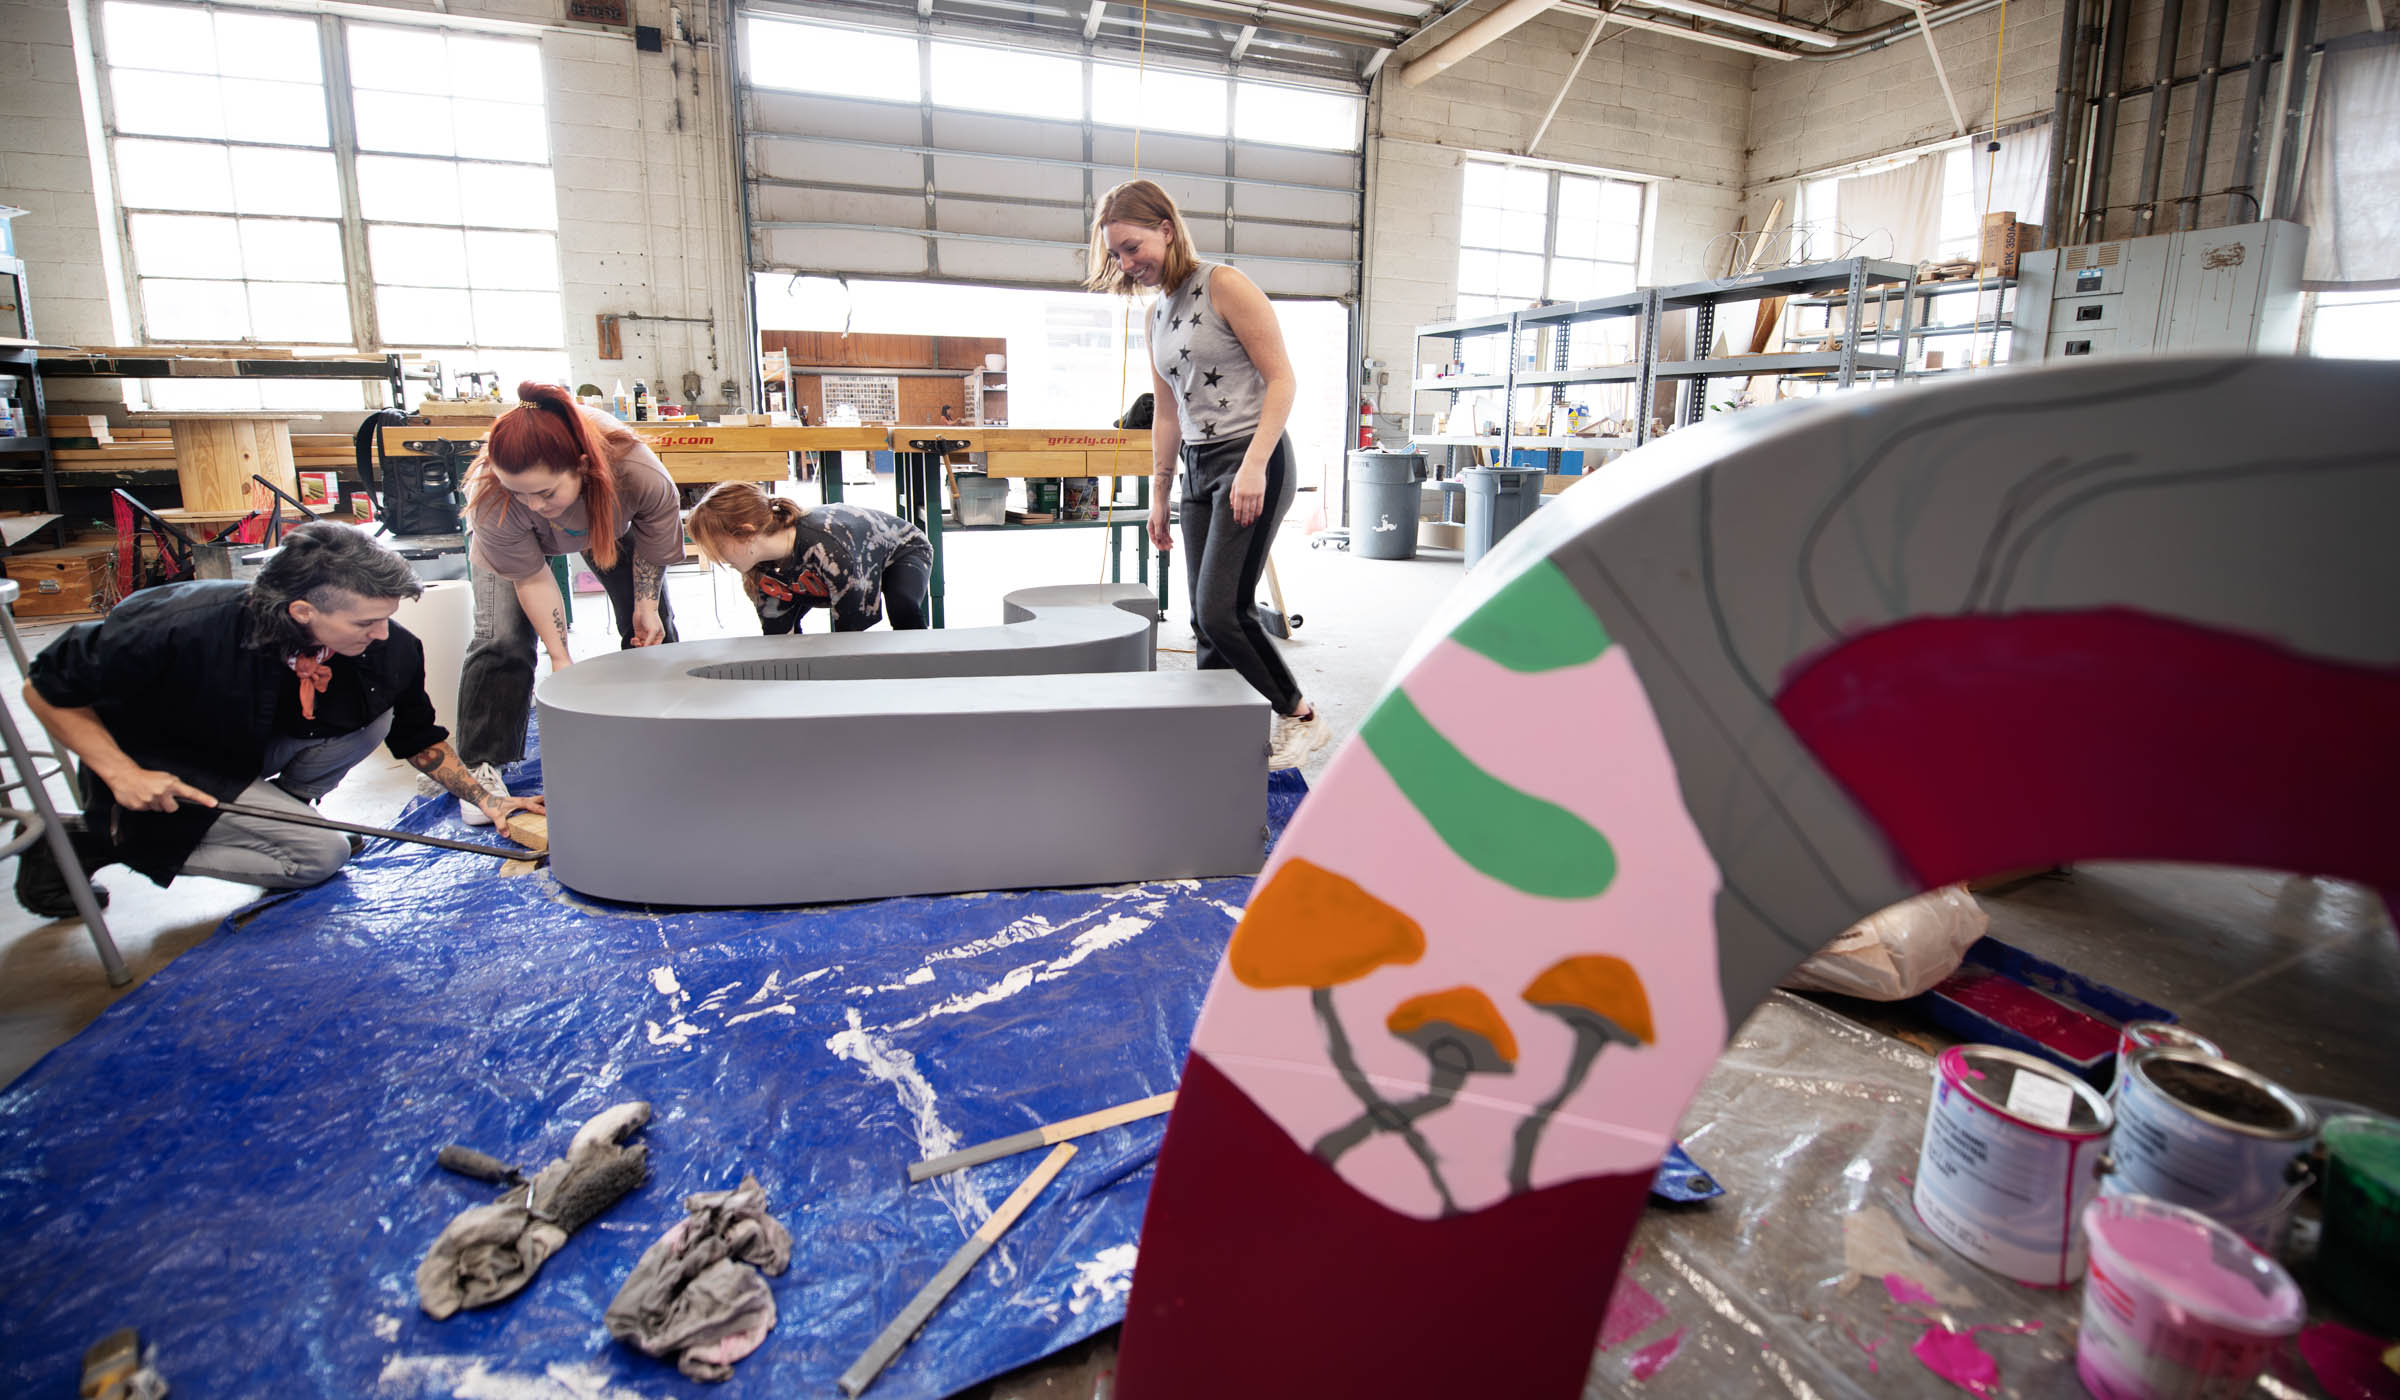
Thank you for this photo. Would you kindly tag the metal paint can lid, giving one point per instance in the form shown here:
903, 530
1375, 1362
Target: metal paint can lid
2224, 1095
2026, 1090
2137, 1036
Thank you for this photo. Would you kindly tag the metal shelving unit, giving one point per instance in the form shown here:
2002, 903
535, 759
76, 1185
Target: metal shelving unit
1456, 335
1560, 322
1850, 285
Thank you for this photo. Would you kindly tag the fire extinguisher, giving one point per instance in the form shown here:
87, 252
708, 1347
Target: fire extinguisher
1366, 422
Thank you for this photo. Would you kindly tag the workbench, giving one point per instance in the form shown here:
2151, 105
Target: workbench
1062, 453
696, 453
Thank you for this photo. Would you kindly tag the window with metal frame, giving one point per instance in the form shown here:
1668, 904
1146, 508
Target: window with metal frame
316, 181
1532, 233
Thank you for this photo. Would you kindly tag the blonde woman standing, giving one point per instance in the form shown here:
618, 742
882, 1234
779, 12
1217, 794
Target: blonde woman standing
1216, 356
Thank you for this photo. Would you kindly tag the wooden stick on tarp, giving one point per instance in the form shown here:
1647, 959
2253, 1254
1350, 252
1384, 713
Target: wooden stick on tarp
913, 1318
1042, 1136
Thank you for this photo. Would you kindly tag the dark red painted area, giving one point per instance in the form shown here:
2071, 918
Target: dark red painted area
2077, 1035
1981, 744
1263, 1273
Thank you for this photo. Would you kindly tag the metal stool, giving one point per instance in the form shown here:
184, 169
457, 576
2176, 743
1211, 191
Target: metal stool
41, 824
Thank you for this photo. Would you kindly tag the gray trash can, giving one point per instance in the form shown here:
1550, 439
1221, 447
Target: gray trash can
1384, 501
1498, 500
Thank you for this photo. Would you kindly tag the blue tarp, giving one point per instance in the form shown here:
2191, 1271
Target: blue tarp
237, 1159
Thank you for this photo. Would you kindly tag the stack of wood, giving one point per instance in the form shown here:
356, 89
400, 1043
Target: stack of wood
142, 460
78, 429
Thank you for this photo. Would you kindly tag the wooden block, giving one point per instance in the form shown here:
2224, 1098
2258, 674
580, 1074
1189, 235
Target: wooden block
529, 829
56, 583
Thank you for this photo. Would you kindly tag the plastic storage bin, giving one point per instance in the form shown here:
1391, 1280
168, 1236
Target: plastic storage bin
982, 500
1384, 503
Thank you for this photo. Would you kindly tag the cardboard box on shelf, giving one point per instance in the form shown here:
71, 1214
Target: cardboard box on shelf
2003, 241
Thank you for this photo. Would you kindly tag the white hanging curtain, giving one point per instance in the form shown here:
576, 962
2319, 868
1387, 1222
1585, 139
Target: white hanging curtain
1903, 203
2354, 240
2018, 173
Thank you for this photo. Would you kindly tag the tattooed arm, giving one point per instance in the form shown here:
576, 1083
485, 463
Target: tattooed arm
648, 578
538, 596
441, 764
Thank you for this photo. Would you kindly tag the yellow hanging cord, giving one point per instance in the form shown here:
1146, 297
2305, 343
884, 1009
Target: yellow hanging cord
1991, 168
1116, 456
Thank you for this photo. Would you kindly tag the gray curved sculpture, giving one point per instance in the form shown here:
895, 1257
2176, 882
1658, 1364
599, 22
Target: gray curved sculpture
806, 769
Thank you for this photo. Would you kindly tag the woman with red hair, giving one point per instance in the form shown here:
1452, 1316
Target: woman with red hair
555, 479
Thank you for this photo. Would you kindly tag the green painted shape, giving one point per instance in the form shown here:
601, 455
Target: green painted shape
1537, 622
1514, 837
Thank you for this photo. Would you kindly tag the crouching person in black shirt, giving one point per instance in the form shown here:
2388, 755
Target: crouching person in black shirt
264, 694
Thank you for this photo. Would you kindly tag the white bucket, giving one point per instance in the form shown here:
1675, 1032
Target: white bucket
2012, 1154
444, 620
2177, 1306
2197, 1130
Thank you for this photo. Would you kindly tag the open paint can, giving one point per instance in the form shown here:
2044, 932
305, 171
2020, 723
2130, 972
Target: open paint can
2136, 1036
2177, 1306
2199, 1130
2012, 1154
2358, 1257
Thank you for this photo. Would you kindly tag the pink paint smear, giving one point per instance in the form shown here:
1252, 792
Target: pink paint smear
1631, 1311
1870, 1348
1956, 1358
2348, 1363
1650, 1360
1907, 1290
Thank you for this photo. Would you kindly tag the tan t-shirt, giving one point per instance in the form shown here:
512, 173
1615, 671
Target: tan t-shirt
517, 544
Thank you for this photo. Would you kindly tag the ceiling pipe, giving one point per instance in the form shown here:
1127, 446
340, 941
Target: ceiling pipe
1618, 17
1467, 42
2204, 111
1760, 23
1236, 14
2154, 131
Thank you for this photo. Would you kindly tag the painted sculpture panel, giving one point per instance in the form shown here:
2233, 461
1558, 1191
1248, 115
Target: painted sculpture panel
1697, 716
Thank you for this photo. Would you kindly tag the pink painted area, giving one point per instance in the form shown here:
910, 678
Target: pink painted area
1957, 1358
1631, 1311
1652, 1359
2195, 1264
2057, 1026
2289, 766
1874, 1367
1658, 914
2348, 1363
1907, 1290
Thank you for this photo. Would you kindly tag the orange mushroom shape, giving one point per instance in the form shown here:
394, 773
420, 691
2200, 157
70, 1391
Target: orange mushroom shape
1601, 999
1460, 1033
1308, 927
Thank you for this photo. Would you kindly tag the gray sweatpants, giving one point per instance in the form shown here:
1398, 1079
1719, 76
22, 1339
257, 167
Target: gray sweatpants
281, 855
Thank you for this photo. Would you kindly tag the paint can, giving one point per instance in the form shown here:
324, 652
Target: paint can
2136, 1036
2198, 1130
2177, 1307
2012, 1154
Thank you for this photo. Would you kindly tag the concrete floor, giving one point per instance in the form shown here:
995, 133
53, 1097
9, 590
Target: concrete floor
2297, 977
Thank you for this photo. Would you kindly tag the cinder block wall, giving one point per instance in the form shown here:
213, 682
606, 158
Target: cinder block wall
648, 219
1647, 105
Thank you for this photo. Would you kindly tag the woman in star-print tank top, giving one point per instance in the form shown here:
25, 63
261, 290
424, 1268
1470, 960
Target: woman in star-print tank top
1225, 386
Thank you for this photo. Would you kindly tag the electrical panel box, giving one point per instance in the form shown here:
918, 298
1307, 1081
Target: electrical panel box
2214, 289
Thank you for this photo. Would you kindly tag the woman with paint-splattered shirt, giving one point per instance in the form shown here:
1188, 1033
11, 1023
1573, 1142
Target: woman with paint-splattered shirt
856, 563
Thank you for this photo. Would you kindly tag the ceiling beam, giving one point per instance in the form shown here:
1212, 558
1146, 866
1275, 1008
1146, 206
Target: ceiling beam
1241, 45
1373, 65
1091, 19
1467, 42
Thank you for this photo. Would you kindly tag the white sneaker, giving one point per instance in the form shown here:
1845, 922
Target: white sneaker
488, 774
427, 787
1294, 739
